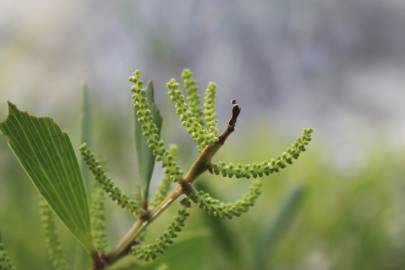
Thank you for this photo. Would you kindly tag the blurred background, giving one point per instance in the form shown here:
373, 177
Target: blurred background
335, 66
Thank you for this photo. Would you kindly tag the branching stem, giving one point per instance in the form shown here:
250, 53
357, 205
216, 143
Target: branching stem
200, 165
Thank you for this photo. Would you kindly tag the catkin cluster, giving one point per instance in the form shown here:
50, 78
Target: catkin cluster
98, 226
200, 124
54, 246
221, 209
106, 183
193, 97
254, 170
150, 130
149, 252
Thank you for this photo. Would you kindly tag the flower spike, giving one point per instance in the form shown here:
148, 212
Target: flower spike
220, 209
150, 130
187, 118
5, 262
210, 112
255, 170
193, 97
97, 211
106, 183
151, 251
56, 253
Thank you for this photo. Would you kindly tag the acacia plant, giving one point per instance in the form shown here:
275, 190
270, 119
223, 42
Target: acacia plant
47, 155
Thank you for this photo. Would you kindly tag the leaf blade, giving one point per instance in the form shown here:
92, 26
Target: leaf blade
46, 154
145, 157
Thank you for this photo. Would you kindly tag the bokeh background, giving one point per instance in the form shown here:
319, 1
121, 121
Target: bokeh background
336, 66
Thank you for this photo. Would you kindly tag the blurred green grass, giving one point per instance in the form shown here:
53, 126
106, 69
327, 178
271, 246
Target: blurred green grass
349, 218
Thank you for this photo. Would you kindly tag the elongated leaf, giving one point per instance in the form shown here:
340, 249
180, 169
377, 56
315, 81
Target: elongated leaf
145, 158
284, 217
222, 234
47, 156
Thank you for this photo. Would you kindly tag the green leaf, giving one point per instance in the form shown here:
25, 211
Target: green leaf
145, 158
227, 241
47, 155
284, 217
178, 256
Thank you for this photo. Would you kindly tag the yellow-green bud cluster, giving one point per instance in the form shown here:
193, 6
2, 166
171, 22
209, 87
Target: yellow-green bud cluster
149, 129
221, 209
149, 252
106, 183
54, 246
210, 112
187, 118
261, 169
5, 262
97, 211
164, 185
193, 97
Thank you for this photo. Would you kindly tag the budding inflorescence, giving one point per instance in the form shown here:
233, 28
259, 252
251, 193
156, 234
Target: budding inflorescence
221, 209
150, 130
210, 114
184, 111
54, 246
254, 170
106, 183
5, 262
98, 226
193, 97
149, 252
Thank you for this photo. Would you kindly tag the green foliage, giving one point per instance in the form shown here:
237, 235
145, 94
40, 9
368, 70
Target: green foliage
220, 209
46, 153
151, 251
55, 251
106, 183
265, 168
5, 262
47, 156
145, 158
150, 130
279, 225
97, 208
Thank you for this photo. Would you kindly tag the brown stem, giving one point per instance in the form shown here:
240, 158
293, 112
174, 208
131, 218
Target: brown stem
200, 165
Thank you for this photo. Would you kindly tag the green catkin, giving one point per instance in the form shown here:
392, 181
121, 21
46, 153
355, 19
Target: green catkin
148, 252
210, 114
5, 262
149, 129
221, 209
55, 251
106, 183
186, 116
266, 168
164, 185
193, 97
98, 220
